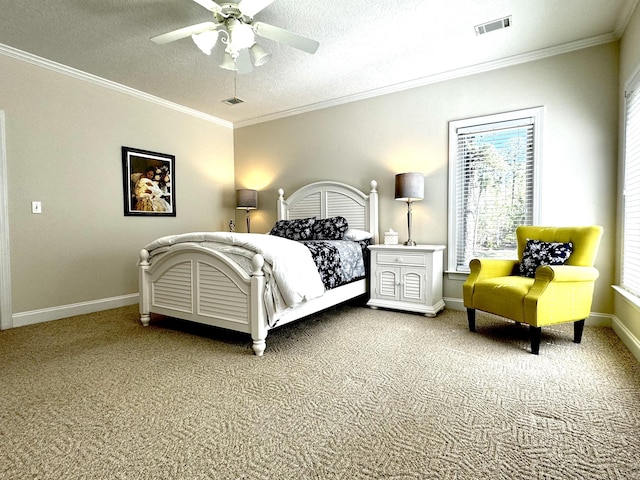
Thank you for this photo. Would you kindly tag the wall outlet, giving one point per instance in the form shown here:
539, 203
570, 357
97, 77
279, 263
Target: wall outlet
36, 207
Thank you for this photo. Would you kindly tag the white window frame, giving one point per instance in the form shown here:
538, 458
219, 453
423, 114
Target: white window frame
630, 270
454, 236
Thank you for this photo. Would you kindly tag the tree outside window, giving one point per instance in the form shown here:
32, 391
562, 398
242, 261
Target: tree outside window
493, 172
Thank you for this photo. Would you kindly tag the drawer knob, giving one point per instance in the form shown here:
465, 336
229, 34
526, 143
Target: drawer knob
399, 259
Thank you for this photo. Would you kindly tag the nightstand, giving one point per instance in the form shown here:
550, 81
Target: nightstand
407, 278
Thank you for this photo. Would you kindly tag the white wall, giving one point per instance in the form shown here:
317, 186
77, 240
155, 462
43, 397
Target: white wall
379, 137
63, 143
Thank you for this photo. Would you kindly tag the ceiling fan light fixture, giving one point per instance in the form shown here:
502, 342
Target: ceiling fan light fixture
259, 55
233, 25
241, 34
228, 63
206, 40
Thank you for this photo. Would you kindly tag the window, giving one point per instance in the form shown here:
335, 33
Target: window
631, 191
493, 167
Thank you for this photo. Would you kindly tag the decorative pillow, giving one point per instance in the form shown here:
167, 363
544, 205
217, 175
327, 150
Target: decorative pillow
300, 229
330, 228
537, 253
356, 235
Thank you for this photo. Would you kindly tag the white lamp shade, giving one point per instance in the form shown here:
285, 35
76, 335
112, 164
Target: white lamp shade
242, 35
260, 56
228, 63
409, 186
246, 199
205, 40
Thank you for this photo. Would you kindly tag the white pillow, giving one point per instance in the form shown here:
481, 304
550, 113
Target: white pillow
355, 235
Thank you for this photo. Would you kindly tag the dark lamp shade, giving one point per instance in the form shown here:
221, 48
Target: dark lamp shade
246, 199
409, 186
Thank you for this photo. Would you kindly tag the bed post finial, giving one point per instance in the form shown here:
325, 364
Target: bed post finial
144, 257
281, 205
373, 212
257, 262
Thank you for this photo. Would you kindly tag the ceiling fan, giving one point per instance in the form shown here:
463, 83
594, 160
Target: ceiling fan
233, 24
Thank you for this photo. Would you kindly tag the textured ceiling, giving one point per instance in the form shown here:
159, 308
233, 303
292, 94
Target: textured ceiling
367, 47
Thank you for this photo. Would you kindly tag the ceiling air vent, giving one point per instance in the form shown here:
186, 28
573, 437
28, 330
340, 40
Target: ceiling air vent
233, 101
493, 25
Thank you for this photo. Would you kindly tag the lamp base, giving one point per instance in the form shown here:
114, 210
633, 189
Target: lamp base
409, 242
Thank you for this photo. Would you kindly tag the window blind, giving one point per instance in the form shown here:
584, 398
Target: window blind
495, 188
631, 195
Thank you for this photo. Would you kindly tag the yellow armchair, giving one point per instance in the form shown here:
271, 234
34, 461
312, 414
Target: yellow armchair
556, 294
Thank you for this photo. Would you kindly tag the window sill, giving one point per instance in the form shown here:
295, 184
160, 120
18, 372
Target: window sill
629, 297
457, 276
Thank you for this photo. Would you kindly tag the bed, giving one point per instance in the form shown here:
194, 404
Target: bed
227, 279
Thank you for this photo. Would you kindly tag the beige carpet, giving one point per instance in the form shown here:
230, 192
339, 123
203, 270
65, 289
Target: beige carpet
351, 393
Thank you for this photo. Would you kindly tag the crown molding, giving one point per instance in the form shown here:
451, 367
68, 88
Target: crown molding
624, 18
419, 82
87, 77
441, 77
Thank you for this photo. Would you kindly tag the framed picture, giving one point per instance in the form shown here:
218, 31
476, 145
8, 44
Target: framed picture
148, 183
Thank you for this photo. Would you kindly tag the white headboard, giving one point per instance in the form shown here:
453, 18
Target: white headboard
330, 199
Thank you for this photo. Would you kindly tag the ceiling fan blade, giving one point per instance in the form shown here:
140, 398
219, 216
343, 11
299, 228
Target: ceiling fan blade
209, 5
251, 7
183, 33
243, 62
284, 36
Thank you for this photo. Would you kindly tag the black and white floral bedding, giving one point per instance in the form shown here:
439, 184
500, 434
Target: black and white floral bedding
338, 261
338, 252
301, 229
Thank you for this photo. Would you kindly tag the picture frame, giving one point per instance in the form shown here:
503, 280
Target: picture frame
148, 183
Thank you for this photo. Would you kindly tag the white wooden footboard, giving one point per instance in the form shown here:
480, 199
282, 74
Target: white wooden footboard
207, 287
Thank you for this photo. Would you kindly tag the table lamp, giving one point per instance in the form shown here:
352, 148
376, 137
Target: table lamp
247, 199
409, 188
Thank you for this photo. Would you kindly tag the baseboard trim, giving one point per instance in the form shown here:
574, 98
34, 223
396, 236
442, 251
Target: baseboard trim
55, 313
629, 339
599, 320
454, 303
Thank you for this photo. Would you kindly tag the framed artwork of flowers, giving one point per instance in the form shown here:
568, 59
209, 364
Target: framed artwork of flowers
148, 183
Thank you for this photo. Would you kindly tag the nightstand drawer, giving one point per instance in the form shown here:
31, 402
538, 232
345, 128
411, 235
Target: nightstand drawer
396, 258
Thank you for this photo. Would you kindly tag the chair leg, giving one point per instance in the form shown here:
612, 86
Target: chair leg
578, 328
471, 317
535, 334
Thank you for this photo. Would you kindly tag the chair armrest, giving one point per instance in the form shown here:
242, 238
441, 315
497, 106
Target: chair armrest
482, 268
552, 276
559, 293
566, 273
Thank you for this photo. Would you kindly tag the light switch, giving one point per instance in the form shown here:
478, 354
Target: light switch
36, 207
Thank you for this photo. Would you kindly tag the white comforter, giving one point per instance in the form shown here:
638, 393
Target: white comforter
289, 263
